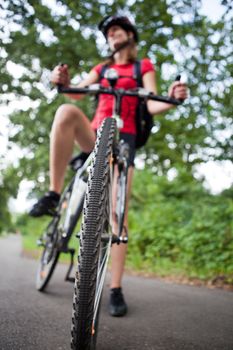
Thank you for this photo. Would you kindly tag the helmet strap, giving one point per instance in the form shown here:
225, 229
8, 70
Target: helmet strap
122, 46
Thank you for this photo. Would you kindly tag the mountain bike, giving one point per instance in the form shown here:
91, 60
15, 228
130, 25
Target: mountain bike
98, 229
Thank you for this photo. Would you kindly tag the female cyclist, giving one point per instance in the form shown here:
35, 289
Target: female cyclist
71, 125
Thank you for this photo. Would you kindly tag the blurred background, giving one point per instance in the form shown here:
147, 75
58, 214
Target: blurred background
182, 201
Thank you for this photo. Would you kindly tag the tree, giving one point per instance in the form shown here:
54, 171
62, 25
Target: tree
8, 187
178, 39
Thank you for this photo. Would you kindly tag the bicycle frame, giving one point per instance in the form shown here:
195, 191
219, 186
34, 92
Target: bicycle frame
78, 191
122, 154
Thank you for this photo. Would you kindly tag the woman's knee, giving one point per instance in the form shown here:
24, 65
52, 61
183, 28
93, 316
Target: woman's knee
67, 114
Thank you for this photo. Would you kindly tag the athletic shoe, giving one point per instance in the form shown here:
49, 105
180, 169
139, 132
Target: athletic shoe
46, 205
117, 306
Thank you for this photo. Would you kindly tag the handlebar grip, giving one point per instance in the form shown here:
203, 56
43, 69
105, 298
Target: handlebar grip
59, 86
178, 77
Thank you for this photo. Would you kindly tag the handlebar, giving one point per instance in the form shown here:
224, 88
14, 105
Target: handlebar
97, 89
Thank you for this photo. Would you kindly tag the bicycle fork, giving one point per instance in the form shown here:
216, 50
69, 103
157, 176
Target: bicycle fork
121, 198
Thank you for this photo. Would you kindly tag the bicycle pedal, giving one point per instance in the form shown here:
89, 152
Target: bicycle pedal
71, 251
70, 279
124, 239
115, 239
118, 240
66, 250
105, 238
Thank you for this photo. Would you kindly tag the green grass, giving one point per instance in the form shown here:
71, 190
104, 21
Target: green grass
31, 229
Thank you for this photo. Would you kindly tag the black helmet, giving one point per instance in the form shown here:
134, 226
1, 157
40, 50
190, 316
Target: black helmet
121, 21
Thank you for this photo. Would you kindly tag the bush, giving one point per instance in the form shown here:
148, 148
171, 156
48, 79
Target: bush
178, 227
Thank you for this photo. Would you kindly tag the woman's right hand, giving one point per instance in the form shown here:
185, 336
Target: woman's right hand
60, 75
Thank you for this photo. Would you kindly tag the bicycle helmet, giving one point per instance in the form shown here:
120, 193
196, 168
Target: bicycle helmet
121, 21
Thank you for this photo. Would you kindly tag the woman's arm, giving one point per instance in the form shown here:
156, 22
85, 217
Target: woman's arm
60, 75
92, 78
176, 90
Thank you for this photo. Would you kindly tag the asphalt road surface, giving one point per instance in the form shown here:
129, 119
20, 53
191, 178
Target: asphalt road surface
162, 316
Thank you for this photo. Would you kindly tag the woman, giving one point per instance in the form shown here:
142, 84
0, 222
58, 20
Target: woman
71, 125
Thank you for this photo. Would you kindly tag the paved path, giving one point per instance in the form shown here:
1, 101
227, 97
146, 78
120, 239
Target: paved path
162, 316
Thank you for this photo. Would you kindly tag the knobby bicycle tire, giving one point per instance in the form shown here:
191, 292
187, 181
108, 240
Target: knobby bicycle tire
88, 275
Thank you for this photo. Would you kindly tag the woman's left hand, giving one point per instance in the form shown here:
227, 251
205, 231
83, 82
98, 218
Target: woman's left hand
178, 90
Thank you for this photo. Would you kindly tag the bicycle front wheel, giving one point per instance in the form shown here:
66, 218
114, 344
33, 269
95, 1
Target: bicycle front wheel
95, 243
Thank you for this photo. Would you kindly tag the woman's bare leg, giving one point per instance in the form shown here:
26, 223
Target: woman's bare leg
70, 125
118, 252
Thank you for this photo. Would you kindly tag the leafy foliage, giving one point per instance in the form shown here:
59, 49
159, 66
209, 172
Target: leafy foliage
8, 186
178, 226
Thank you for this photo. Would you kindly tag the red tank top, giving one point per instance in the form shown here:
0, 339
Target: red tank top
129, 104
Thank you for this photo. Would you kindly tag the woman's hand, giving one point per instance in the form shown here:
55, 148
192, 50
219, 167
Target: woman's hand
60, 75
178, 90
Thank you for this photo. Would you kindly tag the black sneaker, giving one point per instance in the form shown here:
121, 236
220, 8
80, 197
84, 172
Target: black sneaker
117, 306
46, 205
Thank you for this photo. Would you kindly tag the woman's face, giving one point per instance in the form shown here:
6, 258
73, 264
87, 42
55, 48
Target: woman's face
117, 36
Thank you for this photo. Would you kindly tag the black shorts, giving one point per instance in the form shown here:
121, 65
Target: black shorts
130, 139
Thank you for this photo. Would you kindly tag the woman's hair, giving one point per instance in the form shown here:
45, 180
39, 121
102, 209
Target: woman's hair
132, 54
